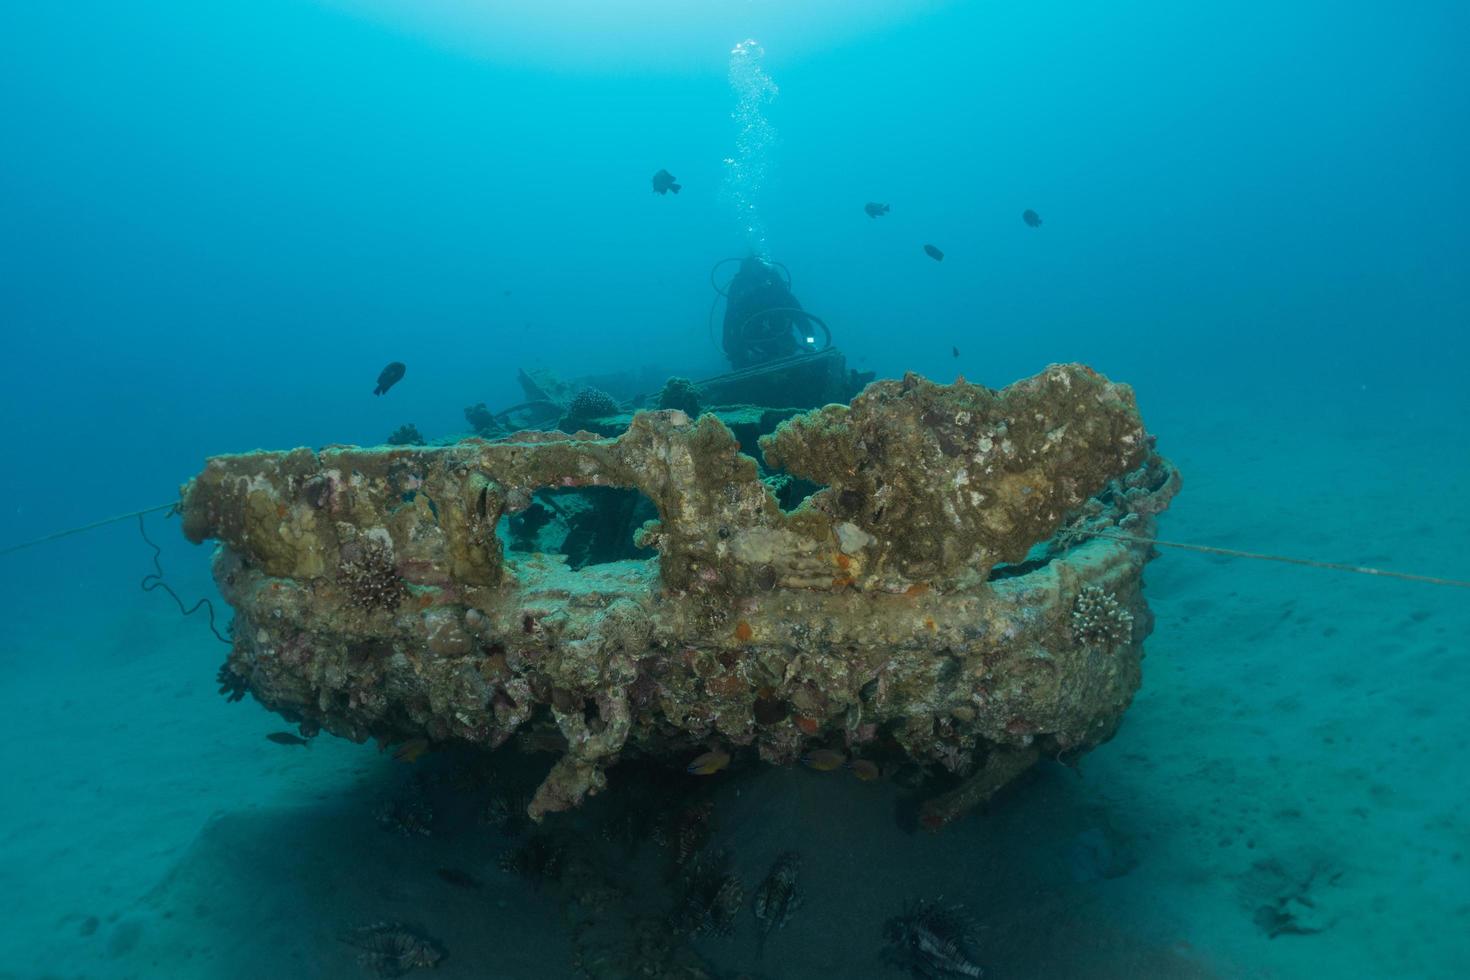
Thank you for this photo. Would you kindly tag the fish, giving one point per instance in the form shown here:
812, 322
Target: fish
390, 376
934, 253
932, 940
865, 769
955, 351
823, 760
875, 210
778, 895
709, 763
663, 182
410, 751
1032, 219
286, 738
458, 878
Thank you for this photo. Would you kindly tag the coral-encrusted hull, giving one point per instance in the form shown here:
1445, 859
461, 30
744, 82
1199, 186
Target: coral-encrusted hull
902, 609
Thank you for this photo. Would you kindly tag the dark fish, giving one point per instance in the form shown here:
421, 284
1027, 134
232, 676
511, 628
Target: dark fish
956, 351
875, 210
932, 940
458, 878
778, 895
392, 374
1031, 218
934, 253
663, 182
286, 738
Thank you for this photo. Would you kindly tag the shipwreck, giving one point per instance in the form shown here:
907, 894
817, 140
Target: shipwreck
961, 590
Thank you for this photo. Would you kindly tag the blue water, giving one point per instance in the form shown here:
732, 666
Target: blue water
220, 221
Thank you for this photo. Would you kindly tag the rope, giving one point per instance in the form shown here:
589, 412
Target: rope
1257, 556
155, 581
85, 527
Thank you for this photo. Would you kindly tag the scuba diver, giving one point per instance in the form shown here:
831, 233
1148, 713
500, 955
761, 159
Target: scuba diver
761, 316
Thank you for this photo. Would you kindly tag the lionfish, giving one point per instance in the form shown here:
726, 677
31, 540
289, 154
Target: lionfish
538, 859
712, 896
391, 949
932, 941
778, 897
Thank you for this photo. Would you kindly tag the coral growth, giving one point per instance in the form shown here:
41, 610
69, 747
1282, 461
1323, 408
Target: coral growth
681, 394
591, 403
1099, 620
368, 575
483, 421
407, 434
231, 685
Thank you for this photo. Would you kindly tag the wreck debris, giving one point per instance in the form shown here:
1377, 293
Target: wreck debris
1001, 766
900, 607
391, 949
932, 941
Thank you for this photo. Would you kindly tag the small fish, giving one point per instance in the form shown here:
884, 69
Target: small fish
875, 210
955, 351
410, 751
663, 182
390, 376
934, 253
1032, 219
458, 878
824, 760
865, 769
709, 763
286, 738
